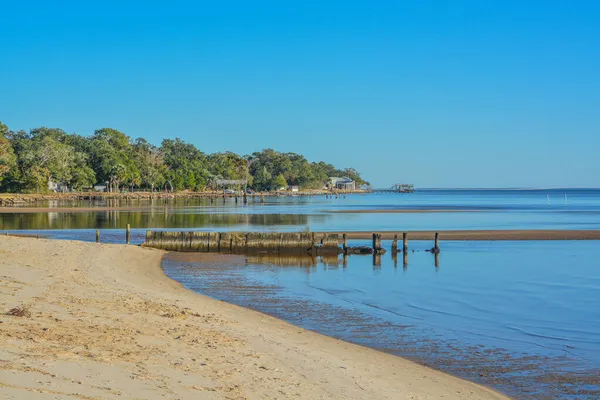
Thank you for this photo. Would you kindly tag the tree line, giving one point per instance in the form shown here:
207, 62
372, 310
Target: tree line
29, 161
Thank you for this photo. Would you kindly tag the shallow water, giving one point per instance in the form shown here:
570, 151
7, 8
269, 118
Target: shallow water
520, 316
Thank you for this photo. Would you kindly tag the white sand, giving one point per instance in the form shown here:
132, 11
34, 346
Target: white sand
107, 324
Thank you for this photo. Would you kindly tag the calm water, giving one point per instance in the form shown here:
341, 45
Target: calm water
520, 316
502, 209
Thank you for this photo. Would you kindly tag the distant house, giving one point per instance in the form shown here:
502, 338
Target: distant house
294, 188
344, 183
100, 188
52, 186
57, 187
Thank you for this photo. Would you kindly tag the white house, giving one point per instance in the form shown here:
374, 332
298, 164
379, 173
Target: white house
344, 183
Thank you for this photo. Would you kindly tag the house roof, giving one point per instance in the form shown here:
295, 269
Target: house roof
336, 180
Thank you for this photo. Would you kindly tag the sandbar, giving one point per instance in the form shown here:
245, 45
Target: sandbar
498, 234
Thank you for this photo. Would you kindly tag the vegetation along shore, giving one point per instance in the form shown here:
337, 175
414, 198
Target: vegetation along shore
90, 321
46, 159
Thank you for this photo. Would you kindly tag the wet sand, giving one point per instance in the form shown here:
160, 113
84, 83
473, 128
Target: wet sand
105, 322
401, 211
515, 234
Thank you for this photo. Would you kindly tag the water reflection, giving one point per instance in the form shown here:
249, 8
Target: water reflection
119, 219
506, 210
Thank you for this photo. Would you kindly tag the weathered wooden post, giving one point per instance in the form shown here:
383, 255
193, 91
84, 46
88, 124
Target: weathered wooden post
376, 242
245, 198
436, 246
345, 243
405, 242
262, 199
128, 234
395, 245
437, 260
405, 259
97, 235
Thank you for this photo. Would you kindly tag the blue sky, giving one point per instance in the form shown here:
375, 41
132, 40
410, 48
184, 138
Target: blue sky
435, 93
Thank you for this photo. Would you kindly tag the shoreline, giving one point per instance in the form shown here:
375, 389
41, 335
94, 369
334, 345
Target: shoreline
107, 322
12, 199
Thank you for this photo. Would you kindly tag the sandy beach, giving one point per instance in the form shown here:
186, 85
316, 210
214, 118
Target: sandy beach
105, 322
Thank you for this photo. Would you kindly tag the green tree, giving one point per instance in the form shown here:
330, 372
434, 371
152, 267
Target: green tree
190, 181
262, 180
8, 159
29, 161
111, 155
279, 182
149, 162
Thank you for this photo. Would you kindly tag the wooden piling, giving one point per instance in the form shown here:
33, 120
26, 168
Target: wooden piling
330, 243
436, 246
395, 245
376, 242
405, 242
213, 242
128, 234
97, 235
345, 243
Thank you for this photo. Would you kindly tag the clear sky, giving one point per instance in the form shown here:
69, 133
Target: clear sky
435, 93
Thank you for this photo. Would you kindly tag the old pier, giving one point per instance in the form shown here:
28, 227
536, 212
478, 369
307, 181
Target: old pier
268, 243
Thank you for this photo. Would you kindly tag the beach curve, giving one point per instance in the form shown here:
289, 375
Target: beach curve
105, 322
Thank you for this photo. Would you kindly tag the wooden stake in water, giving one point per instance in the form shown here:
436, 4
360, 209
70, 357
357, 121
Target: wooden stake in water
395, 245
376, 242
97, 235
128, 234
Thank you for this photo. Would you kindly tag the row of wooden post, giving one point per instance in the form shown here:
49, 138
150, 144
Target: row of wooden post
127, 234
376, 241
